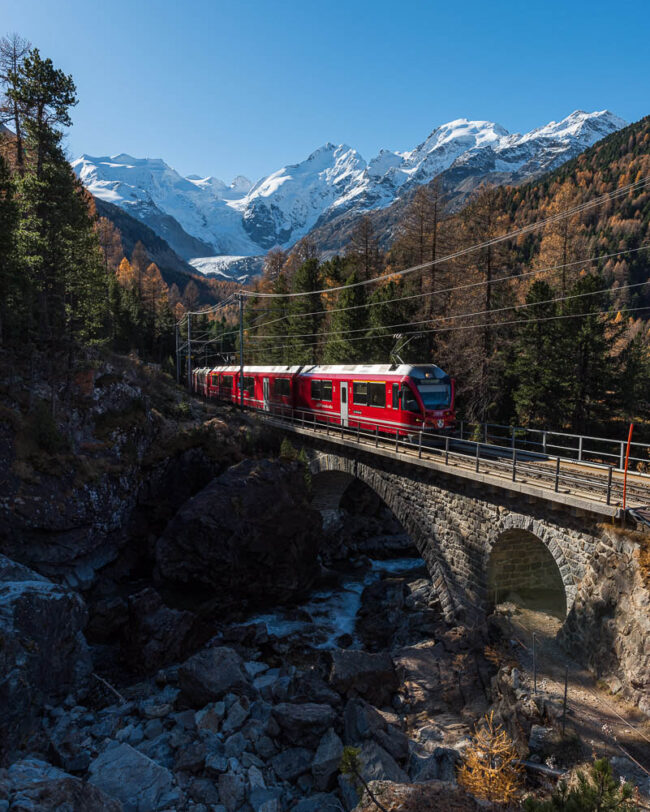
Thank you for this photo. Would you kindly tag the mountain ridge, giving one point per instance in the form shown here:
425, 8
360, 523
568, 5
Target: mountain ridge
205, 219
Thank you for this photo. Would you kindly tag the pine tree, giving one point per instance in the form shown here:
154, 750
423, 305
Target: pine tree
139, 262
363, 248
540, 361
343, 346
303, 314
13, 50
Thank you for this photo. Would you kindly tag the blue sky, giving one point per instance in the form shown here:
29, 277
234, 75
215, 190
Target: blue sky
246, 86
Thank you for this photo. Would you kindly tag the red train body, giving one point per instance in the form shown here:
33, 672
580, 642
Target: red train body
401, 399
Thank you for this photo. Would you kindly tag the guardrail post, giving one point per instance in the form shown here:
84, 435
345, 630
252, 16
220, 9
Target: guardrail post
447, 450
341, 429
397, 441
622, 456
557, 475
609, 484
514, 464
513, 438
461, 431
327, 428
376, 436
544, 434
580, 448
485, 433
358, 430
420, 445
478, 455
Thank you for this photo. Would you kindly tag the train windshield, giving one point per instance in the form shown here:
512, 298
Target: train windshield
435, 394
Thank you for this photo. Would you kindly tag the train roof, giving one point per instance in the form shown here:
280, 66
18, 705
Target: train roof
402, 370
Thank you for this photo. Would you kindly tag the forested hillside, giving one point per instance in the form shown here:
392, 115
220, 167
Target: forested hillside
546, 327
66, 279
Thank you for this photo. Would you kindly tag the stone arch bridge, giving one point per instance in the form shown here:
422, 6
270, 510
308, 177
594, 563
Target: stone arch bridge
481, 539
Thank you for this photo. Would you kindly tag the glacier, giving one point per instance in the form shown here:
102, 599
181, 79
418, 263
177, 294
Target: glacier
217, 226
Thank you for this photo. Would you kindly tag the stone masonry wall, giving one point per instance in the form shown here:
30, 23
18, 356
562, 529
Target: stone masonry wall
455, 524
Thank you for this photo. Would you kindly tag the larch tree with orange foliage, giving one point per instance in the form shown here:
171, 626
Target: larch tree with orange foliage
490, 770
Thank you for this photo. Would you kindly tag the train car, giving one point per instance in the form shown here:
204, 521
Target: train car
401, 399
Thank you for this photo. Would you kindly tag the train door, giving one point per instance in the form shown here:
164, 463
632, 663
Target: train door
344, 403
265, 387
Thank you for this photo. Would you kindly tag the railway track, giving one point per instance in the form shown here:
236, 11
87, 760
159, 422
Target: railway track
586, 480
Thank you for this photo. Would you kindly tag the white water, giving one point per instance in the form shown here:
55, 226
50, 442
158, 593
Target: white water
333, 612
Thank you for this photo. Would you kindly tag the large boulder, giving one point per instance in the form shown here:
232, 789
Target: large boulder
138, 782
210, 674
303, 724
43, 654
327, 760
157, 635
249, 536
361, 673
35, 784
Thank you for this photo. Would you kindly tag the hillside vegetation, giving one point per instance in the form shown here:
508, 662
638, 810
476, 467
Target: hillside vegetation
547, 328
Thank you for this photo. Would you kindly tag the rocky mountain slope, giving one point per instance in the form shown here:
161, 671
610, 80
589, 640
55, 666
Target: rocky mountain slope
218, 226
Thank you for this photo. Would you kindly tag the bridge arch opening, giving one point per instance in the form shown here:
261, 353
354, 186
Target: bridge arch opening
522, 570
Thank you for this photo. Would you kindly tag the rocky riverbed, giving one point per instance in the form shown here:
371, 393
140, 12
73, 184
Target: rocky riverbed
178, 631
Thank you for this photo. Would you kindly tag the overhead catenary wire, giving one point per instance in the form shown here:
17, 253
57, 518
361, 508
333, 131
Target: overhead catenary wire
621, 191
465, 286
489, 324
456, 315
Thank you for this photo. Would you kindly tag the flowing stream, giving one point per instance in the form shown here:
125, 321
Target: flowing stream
330, 613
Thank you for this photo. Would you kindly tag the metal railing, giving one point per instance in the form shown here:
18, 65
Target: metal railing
597, 481
578, 447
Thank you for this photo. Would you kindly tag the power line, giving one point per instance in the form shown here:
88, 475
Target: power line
457, 315
468, 285
462, 252
490, 325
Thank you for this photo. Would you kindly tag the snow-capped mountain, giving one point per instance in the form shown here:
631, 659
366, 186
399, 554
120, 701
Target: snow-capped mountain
208, 222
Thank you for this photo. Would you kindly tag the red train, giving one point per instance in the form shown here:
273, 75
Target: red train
400, 399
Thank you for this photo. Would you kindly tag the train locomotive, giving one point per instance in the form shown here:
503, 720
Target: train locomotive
397, 399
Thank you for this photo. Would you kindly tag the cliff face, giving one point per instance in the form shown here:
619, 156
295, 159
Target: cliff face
116, 456
608, 627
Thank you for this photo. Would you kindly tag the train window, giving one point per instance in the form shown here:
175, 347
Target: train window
359, 393
282, 387
395, 396
326, 390
226, 381
377, 394
249, 386
408, 400
315, 390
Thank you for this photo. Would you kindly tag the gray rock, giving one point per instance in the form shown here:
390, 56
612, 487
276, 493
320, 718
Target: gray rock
232, 791
320, 802
132, 778
359, 672
36, 785
235, 745
437, 766
210, 674
255, 778
254, 669
215, 765
153, 729
304, 724
264, 747
538, 738
210, 717
326, 761
291, 763
237, 715
204, 791
190, 759
266, 800
349, 793
361, 721
378, 765
159, 750
43, 656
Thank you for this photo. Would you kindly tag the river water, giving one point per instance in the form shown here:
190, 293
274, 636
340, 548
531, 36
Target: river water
329, 613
